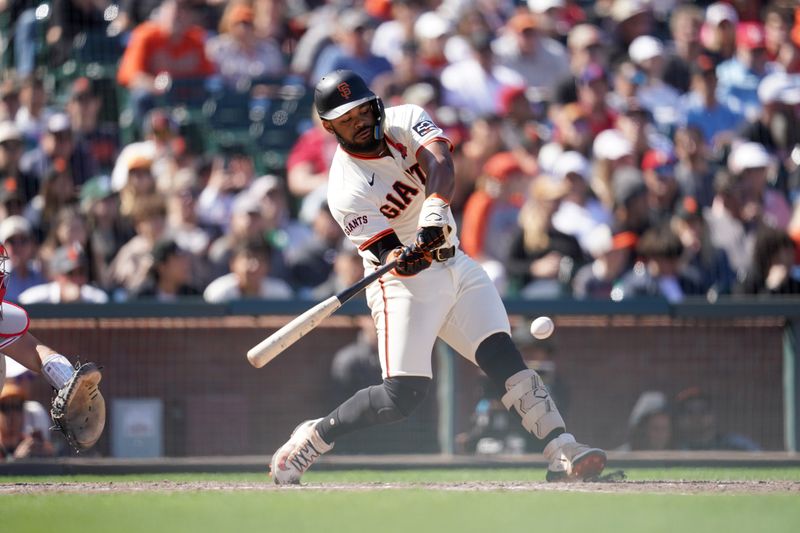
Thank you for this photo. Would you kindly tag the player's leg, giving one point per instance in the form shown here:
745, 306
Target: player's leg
407, 327
478, 329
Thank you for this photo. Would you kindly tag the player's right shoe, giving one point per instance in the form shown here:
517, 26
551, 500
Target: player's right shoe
572, 461
296, 456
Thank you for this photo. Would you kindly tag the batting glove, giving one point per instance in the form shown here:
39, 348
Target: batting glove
434, 224
411, 260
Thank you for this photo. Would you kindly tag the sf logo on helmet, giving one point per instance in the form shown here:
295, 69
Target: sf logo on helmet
344, 89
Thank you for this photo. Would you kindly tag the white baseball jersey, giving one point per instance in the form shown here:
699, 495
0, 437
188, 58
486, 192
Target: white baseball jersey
371, 197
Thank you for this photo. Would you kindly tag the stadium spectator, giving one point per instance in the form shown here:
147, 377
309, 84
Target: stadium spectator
351, 49
612, 257
572, 127
773, 270
659, 98
718, 33
776, 126
83, 109
522, 128
482, 142
14, 442
487, 78
160, 132
11, 151
232, 172
348, 268
586, 47
249, 277
182, 218
128, 270
68, 227
69, 19
16, 235
734, 216
311, 263
631, 211
9, 99
663, 192
59, 143
396, 31
706, 262
538, 58
659, 271
649, 424
739, 76
632, 19
239, 54
778, 18
431, 35
170, 275
716, 120
579, 212
492, 211
170, 47
140, 185
309, 159
542, 259
611, 150
695, 167
754, 162
684, 25
695, 425
57, 193
108, 231
34, 110
69, 269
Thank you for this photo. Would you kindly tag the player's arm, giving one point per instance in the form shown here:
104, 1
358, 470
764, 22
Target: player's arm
29, 351
434, 220
435, 161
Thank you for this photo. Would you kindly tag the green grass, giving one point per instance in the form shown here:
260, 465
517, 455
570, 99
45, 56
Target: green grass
412, 510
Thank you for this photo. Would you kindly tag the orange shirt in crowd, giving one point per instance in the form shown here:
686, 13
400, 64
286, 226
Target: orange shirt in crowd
151, 51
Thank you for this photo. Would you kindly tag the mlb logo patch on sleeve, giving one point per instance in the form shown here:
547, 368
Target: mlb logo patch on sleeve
423, 127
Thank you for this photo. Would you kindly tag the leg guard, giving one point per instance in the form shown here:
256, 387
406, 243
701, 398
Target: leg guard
391, 401
528, 395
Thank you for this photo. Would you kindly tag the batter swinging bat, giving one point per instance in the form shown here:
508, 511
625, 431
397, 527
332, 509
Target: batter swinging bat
269, 348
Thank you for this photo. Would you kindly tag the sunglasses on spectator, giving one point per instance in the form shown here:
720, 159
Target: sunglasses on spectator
11, 407
11, 145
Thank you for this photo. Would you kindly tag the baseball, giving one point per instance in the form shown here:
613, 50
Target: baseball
542, 327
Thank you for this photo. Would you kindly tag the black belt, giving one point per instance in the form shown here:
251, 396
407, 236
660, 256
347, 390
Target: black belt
443, 254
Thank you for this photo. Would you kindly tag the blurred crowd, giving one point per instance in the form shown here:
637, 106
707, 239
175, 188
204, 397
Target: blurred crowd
164, 149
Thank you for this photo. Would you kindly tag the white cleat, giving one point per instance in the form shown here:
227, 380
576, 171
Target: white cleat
298, 454
572, 461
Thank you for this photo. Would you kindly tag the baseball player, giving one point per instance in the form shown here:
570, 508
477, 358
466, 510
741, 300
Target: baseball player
389, 185
78, 408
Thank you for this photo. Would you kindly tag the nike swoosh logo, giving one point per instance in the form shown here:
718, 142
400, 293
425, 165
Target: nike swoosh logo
371, 181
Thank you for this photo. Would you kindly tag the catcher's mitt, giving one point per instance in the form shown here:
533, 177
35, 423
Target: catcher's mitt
79, 410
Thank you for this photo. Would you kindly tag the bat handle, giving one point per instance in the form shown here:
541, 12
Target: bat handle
354, 289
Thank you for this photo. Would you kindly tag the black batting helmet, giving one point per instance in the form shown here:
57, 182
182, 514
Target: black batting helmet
342, 90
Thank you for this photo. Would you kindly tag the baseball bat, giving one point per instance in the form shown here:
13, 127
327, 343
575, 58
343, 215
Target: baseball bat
268, 349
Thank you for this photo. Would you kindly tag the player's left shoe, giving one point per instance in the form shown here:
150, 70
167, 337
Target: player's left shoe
572, 461
296, 456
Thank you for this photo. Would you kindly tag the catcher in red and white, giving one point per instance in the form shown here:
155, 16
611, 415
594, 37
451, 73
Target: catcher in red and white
78, 409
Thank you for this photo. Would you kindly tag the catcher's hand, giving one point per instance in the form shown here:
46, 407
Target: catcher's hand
79, 410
